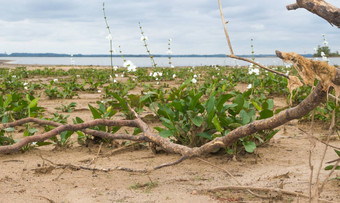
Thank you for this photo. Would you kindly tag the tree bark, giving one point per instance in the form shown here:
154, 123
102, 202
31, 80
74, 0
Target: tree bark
321, 8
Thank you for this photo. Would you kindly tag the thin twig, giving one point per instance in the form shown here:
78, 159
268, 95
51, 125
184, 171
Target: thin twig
233, 177
225, 28
171, 164
262, 189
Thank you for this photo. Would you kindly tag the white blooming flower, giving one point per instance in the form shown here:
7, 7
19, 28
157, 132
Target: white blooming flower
115, 68
25, 83
143, 38
114, 81
154, 74
169, 52
323, 54
160, 74
254, 70
156, 78
194, 81
287, 73
78, 76
122, 75
55, 80
26, 88
99, 91
325, 43
249, 86
109, 37
130, 66
34, 143
195, 76
157, 83
172, 66
174, 75
14, 76
288, 65
116, 75
150, 74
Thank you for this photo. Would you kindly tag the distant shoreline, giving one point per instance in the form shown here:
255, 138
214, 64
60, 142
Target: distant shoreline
136, 55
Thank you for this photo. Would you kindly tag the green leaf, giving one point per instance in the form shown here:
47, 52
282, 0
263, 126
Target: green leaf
167, 123
256, 106
222, 99
330, 167
266, 113
244, 117
234, 125
217, 124
198, 120
137, 131
249, 146
210, 104
337, 152
9, 129
205, 135
269, 104
195, 100
7, 101
33, 103
32, 130
41, 143
166, 133
95, 112
239, 100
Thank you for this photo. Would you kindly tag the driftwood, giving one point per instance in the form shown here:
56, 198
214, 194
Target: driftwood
320, 8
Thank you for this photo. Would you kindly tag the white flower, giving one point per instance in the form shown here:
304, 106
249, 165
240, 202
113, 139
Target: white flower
170, 39
114, 81
169, 52
78, 76
254, 70
195, 76
194, 81
130, 66
154, 74
323, 54
26, 88
249, 86
325, 43
115, 68
150, 74
288, 65
160, 74
143, 38
14, 76
34, 143
157, 83
287, 73
25, 83
116, 75
109, 37
172, 66
99, 91
122, 75
174, 75
55, 80
156, 78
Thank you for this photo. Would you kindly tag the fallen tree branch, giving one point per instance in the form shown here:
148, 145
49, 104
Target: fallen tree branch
319, 7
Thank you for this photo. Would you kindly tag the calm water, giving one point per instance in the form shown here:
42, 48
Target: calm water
145, 61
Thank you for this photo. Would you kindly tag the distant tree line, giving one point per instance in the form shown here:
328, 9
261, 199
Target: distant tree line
326, 50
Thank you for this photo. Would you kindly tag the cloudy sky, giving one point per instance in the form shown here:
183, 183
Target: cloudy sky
77, 26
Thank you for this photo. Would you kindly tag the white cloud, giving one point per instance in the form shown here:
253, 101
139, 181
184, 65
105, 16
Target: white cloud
75, 26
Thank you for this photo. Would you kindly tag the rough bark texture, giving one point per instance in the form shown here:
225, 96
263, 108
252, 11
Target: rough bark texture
320, 8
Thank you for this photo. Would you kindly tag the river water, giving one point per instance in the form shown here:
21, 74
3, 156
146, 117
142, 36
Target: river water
146, 62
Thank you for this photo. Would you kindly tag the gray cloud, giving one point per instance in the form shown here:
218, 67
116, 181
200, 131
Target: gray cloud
77, 26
